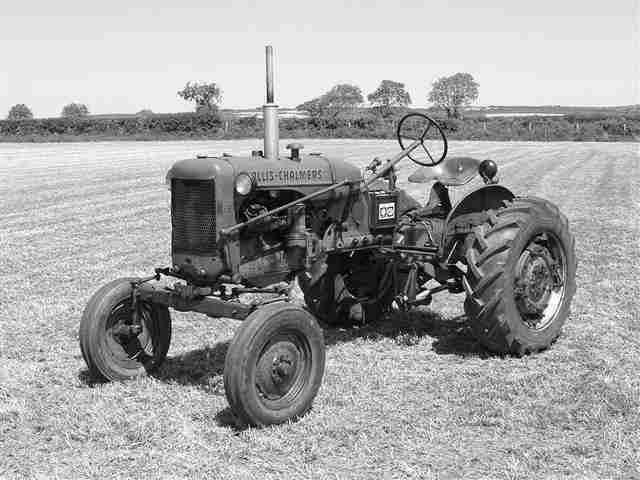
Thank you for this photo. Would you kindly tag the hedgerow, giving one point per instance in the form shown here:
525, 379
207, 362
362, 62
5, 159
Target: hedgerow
366, 125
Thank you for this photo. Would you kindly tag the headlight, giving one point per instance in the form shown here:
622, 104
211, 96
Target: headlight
244, 184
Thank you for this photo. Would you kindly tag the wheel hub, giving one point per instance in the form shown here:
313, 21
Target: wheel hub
128, 340
537, 278
281, 368
278, 369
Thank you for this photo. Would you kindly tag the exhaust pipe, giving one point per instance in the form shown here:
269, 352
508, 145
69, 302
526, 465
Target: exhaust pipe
270, 114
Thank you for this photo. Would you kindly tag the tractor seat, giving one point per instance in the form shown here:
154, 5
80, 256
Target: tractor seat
452, 171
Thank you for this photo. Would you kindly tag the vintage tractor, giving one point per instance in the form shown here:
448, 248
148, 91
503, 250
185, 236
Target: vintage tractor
358, 246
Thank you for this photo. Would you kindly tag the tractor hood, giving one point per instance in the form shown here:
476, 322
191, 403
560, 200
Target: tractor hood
310, 171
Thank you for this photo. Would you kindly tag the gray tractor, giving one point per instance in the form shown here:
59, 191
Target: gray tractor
358, 245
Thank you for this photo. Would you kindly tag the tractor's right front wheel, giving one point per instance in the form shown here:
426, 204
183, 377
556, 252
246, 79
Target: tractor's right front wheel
114, 344
521, 277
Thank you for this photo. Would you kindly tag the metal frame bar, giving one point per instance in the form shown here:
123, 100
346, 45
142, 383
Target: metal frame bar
211, 306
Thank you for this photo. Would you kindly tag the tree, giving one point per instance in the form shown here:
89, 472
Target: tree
389, 94
340, 98
451, 93
20, 112
145, 113
343, 96
75, 110
313, 107
206, 96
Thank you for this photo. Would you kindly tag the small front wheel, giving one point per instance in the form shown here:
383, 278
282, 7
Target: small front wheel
274, 365
113, 345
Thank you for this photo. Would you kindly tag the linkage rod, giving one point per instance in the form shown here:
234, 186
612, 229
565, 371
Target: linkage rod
391, 163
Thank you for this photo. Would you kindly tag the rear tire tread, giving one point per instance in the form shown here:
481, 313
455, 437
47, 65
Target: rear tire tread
487, 261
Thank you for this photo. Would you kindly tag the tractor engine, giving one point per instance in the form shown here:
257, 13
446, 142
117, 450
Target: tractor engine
211, 194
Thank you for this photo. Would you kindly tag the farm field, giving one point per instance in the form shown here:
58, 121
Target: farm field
412, 397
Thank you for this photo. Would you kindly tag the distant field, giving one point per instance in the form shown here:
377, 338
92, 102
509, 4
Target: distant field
408, 398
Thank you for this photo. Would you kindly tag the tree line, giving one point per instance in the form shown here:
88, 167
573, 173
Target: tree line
448, 93
341, 112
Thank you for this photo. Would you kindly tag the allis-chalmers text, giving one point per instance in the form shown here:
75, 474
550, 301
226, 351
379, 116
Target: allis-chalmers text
290, 176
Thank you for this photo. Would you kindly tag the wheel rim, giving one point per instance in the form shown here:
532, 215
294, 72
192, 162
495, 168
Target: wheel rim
540, 281
283, 369
128, 346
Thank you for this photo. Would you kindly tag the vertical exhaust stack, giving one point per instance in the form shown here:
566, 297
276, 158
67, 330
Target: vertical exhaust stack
270, 114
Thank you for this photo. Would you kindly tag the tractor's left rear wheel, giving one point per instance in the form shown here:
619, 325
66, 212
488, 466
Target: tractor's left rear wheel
115, 347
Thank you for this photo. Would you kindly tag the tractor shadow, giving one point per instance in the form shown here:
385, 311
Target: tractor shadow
452, 336
202, 368
89, 379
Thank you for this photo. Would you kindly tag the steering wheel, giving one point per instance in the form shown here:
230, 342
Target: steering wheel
417, 126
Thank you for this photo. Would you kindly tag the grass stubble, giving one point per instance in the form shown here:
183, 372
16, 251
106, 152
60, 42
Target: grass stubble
412, 397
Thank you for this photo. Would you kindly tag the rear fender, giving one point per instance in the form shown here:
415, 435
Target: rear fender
472, 211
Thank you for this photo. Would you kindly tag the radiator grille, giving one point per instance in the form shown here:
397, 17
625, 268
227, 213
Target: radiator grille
193, 215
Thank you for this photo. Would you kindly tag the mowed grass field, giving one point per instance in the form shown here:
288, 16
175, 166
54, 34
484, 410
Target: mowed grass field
406, 398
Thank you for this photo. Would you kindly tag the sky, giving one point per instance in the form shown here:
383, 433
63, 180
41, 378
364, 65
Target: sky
121, 56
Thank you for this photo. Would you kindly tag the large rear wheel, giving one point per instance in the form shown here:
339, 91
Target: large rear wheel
521, 277
113, 345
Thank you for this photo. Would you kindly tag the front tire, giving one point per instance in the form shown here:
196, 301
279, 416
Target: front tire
521, 277
274, 365
111, 346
